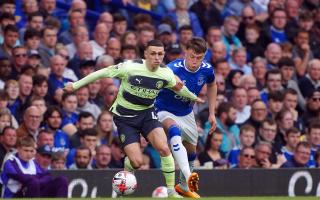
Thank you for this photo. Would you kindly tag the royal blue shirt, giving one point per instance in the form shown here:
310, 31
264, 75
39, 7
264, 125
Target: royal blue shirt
168, 100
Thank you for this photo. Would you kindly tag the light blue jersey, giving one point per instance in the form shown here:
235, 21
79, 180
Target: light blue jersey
169, 101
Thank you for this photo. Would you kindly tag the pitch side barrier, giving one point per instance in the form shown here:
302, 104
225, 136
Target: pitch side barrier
233, 182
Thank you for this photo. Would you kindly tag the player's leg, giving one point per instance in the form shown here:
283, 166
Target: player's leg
177, 148
158, 140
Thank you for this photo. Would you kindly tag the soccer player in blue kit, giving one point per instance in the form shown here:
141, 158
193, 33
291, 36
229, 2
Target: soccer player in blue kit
176, 112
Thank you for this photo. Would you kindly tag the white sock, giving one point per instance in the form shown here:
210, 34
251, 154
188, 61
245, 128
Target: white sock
180, 155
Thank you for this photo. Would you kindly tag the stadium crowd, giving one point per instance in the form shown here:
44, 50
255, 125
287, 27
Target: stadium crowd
266, 59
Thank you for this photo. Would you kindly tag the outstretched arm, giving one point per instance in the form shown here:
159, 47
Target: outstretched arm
109, 72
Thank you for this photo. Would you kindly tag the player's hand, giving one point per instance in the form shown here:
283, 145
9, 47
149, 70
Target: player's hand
213, 123
68, 87
179, 84
199, 100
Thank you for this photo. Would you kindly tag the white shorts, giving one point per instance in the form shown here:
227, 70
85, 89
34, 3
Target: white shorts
187, 124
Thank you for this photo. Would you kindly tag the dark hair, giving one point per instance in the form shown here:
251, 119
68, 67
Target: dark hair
281, 114
34, 14
4, 95
50, 110
88, 132
269, 121
273, 71
142, 18
245, 148
247, 127
276, 96
208, 141
84, 114
198, 45
156, 43
129, 47
230, 76
118, 17
224, 107
290, 91
277, 10
30, 33
7, 128
82, 147
11, 28
39, 79
7, 2
303, 144
313, 124
185, 28
65, 95
285, 61
26, 141
292, 130
7, 15
47, 28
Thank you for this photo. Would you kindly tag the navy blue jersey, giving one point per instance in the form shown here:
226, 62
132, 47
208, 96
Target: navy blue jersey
169, 101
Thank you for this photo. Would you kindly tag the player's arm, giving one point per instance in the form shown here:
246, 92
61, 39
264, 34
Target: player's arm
108, 72
212, 99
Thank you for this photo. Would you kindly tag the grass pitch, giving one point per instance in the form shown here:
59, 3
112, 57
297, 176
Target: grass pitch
205, 198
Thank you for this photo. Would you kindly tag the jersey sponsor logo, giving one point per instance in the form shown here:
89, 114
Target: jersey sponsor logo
183, 99
144, 92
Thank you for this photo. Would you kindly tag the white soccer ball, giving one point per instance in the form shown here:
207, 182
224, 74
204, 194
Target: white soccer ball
124, 183
160, 192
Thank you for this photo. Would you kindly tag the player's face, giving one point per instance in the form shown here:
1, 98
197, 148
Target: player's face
154, 56
193, 60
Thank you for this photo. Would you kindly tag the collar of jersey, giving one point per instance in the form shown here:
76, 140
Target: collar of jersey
186, 68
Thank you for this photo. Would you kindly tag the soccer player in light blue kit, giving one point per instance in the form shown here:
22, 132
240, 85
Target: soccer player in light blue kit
175, 112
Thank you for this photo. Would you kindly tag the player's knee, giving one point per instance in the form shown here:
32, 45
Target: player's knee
164, 150
137, 162
174, 131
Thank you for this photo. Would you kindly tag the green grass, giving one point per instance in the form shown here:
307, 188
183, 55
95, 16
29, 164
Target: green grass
207, 198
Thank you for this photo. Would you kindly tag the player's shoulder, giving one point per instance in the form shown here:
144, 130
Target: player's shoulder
176, 63
206, 65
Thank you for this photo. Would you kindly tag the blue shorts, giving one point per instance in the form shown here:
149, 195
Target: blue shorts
130, 128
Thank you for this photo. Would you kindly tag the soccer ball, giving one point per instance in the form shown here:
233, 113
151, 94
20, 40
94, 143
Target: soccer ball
124, 183
160, 192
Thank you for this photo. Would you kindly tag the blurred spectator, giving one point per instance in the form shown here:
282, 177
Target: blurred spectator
229, 30
273, 84
120, 25
259, 71
144, 35
284, 121
8, 140
75, 18
247, 81
246, 158
34, 59
5, 120
48, 44
142, 19
301, 52
5, 19
129, 52
86, 120
182, 16
40, 86
94, 96
275, 104
239, 60
8, 6
109, 95
107, 19
58, 161
40, 103
164, 34
317, 158
117, 155
247, 139
52, 122
37, 183
312, 107
217, 51
5, 70
226, 117
129, 38
79, 34
82, 158
31, 123
253, 42
301, 156
233, 81
235, 7
292, 139
212, 148
239, 100
10, 37
44, 156
258, 114
273, 53
253, 94
83, 103
222, 67
84, 53
35, 21
313, 137
102, 157
45, 137
278, 24
105, 128
207, 14
263, 152
56, 78
185, 34
113, 49
69, 104
101, 36
312, 79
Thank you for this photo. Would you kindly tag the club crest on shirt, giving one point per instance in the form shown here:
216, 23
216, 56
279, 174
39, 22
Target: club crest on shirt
201, 80
122, 138
159, 84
